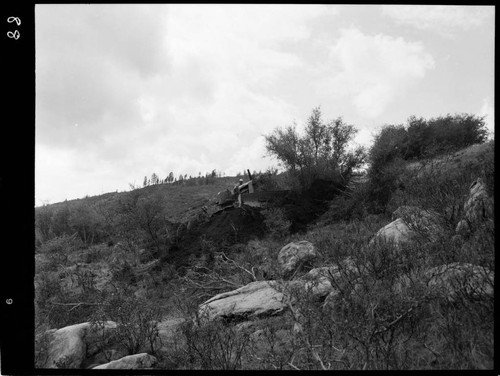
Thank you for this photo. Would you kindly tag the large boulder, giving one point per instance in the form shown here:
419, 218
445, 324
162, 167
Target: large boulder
427, 223
396, 232
251, 301
137, 361
70, 346
477, 208
459, 279
294, 256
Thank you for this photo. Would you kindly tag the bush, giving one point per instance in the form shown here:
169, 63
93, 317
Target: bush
382, 183
214, 345
422, 138
137, 322
323, 151
390, 143
442, 185
277, 222
58, 249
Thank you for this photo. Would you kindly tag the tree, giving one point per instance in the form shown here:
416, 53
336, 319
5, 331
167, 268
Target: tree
43, 221
154, 179
322, 152
143, 218
390, 142
428, 138
170, 177
284, 145
61, 220
87, 223
145, 182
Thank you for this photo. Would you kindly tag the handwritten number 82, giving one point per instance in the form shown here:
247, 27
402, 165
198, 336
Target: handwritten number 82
16, 34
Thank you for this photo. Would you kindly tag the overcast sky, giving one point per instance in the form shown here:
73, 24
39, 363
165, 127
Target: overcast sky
123, 91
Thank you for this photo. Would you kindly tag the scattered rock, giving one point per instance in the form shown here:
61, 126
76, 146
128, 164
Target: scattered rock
461, 278
317, 282
463, 228
250, 301
396, 232
68, 345
426, 223
294, 256
137, 361
477, 208
316, 288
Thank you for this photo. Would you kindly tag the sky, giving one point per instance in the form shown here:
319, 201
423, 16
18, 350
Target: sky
127, 90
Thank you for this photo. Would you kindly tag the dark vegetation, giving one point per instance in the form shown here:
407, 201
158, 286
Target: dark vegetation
152, 253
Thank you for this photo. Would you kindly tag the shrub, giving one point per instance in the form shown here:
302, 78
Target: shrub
442, 185
419, 139
390, 143
269, 181
382, 183
42, 343
277, 222
137, 322
428, 138
323, 151
215, 345
58, 249
124, 274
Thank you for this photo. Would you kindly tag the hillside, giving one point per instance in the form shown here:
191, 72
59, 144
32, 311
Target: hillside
181, 197
321, 279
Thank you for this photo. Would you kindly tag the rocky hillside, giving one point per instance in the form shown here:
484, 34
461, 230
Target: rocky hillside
312, 281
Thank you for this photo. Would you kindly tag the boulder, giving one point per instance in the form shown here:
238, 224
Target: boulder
137, 361
461, 278
68, 346
318, 287
463, 228
295, 255
251, 301
477, 208
317, 282
396, 232
427, 223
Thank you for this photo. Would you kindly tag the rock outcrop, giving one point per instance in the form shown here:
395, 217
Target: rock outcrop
428, 224
477, 208
396, 232
295, 256
251, 301
318, 281
70, 346
268, 298
136, 361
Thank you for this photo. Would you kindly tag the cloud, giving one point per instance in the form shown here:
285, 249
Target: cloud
445, 20
125, 91
240, 42
374, 69
92, 63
